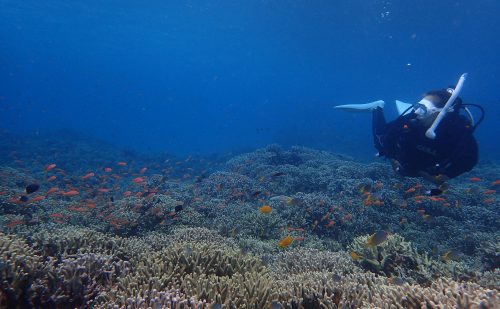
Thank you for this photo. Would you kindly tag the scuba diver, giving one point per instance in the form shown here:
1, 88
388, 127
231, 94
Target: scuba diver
431, 138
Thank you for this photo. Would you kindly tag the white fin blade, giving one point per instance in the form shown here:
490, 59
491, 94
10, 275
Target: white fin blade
361, 107
402, 107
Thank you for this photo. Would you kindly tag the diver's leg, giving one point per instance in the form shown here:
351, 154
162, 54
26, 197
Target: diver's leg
378, 128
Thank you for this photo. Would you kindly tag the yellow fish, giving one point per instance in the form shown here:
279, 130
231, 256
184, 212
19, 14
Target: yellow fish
354, 255
266, 209
285, 242
377, 238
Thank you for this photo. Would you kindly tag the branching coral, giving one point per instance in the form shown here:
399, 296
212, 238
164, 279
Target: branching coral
398, 258
209, 272
20, 268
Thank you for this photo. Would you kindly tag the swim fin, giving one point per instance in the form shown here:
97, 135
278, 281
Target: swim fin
402, 107
361, 107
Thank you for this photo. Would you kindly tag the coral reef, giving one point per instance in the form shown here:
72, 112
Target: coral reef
187, 233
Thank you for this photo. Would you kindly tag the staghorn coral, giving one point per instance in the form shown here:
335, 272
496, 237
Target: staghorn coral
85, 279
209, 272
365, 290
490, 255
300, 260
20, 269
67, 241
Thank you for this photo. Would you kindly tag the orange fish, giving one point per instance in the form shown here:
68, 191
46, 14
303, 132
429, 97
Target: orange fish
487, 192
285, 242
330, 224
50, 167
56, 215
87, 176
266, 209
298, 229
108, 169
121, 163
489, 200
91, 205
14, 223
51, 178
52, 190
127, 193
70, 193
143, 170
475, 179
495, 183
103, 190
354, 255
138, 180
36, 199
411, 190
77, 209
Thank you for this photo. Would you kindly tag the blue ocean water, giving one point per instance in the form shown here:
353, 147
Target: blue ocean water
201, 77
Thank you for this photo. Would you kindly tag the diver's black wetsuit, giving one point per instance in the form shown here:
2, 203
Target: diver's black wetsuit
454, 150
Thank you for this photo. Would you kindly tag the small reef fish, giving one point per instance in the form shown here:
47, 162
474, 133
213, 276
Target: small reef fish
143, 170
487, 192
354, 255
70, 193
496, 183
410, 190
377, 238
285, 242
32, 188
266, 209
138, 180
56, 215
475, 179
277, 174
297, 229
52, 190
451, 255
37, 199
50, 167
108, 169
88, 175
121, 163
286, 199
52, 178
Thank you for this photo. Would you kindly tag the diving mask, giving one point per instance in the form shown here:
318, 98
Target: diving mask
425, 108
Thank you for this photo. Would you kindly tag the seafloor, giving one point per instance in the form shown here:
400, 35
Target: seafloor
115, 229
